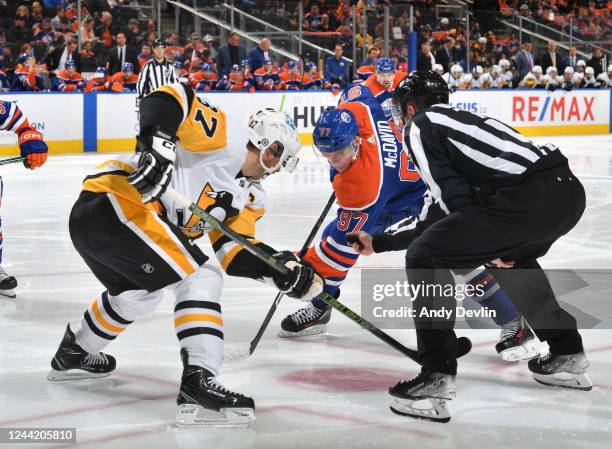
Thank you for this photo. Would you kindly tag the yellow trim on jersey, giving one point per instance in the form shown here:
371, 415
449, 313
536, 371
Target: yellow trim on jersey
119, 185
102, 320
243, 223
204, 127
150, 226
194, 317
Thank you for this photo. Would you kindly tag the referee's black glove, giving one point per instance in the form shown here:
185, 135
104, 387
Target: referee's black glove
155, 166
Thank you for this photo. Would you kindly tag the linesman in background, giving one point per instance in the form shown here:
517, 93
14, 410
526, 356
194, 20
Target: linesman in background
157, 72
498, 199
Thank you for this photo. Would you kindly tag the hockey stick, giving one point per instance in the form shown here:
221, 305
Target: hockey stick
267, 258
12, 160
307, 243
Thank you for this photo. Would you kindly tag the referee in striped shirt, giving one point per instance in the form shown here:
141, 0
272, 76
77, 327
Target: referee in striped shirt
497, 199
157, 72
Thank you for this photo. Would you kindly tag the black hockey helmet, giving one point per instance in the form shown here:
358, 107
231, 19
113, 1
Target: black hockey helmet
422, 87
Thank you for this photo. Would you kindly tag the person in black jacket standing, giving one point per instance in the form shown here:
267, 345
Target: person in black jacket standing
497, 199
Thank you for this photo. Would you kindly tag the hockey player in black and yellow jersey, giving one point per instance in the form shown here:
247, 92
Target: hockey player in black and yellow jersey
144, 240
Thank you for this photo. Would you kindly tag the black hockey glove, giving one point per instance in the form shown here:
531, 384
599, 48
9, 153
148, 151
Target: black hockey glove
155, 166
302, 281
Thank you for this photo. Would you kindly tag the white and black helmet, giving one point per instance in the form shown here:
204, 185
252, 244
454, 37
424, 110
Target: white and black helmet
268, 126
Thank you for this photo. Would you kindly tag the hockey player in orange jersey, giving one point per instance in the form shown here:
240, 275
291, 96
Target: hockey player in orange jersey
383, 82
124, 81
68, 80
98, 81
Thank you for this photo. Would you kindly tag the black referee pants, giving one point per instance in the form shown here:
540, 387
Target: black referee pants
517, 223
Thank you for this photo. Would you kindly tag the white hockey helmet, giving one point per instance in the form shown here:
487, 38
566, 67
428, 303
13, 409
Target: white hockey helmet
478, 70
504, 63
537, 69
495, 71
456, 69
589, 71
550, 70
268, 126
610, 68
569, 70
438, 69
581, 63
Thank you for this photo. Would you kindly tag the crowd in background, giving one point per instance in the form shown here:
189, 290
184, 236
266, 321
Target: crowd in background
39, 50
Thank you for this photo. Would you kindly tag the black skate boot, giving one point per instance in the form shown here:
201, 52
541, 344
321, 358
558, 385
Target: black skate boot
516, 341
309, 320
202, 400
71, 362
568, 371
437, 388
7, 284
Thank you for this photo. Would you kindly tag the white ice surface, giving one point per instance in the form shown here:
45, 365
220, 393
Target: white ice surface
328, 391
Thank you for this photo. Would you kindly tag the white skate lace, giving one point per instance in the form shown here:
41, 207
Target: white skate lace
215, 384
3, 274
95, 359
510, 330
305, 314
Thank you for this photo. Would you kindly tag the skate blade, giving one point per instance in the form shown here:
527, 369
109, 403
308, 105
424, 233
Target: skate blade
74, 374
317, 329
526, 351
8, 293
195, 415
437, 412
565, 380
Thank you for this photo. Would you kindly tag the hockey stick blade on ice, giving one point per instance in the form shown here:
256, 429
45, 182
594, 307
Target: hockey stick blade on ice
275, 264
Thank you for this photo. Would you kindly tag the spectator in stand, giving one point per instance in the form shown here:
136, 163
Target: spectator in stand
4, 83
551, 57
60, 14
336, 68
444, 55
150, 38
57, 58
43, 33
425, 34
68, 80
524, 61
24, 13
312, 19
86, 32
19, 33
209, 48
426, 59
146, 54
133, 33
229, 55
27, 76
258, 55
97, 82
369, 40
570, 60
345, 39
120, 54
106, 31
597, 61
88, 58
125, 80
172, 45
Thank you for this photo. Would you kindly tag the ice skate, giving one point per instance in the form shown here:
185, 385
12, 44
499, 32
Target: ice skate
308, 320
410, 397
203, 401
567, 371
71, 362
7, 284
517, 341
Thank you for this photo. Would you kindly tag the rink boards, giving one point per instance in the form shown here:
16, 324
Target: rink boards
107, 122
